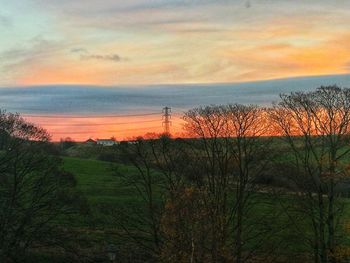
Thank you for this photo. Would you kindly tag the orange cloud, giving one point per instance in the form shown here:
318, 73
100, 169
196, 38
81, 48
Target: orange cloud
289, 59
185, 51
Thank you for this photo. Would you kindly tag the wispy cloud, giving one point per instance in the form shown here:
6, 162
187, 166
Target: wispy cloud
35, 49
174, 40
109, 57
86, 55
5, 21
79, 50
21, 60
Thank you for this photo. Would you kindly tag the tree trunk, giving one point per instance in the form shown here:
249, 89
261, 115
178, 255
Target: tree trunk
239, 224
323, 247
330, 224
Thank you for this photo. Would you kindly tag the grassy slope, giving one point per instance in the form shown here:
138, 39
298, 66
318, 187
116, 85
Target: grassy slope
98, 182
103, 189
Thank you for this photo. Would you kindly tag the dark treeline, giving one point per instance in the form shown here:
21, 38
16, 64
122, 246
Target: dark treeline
247, 184
235, 193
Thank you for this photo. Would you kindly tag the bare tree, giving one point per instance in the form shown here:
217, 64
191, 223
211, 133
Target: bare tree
161, 175
210, 162
250, 150
157, 175
185, 227
230, 155
315, 125
34, 191
140, 225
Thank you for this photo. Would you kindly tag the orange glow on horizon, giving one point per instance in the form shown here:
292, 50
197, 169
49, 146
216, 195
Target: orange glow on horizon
82, 128
95, 127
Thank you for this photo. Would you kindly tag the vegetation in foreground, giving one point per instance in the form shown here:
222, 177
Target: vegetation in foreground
230, 194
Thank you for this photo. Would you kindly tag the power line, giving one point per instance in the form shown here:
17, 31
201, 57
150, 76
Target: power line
96, 124
165, 122
88, 117
109, 131
137, 129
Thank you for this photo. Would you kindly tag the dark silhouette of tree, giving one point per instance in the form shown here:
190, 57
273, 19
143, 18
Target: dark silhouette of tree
140, 225
229, 154
316, 125
185, 227
67, 143
160, 164
34, 191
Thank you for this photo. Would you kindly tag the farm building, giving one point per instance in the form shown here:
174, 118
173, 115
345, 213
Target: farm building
90, 141
106, 142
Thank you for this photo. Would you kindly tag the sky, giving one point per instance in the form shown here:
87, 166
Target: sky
121, 44
118, 42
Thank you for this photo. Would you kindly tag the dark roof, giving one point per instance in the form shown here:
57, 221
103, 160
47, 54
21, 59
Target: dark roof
90, 140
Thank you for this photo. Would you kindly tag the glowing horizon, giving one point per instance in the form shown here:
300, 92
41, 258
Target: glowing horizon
95, 127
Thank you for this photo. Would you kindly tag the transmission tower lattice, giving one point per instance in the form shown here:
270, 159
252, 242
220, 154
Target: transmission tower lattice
166, 119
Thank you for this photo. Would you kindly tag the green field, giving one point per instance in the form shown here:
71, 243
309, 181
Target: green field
104, 190
100, 184
98, 181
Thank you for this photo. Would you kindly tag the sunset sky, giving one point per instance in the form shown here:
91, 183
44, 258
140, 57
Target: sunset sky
111, 42
116, 43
